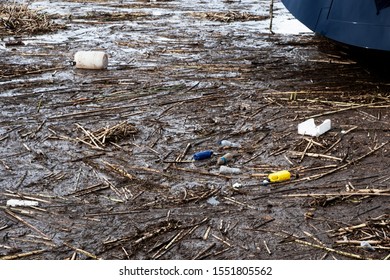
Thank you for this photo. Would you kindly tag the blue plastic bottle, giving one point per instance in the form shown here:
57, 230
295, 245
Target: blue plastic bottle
202, 155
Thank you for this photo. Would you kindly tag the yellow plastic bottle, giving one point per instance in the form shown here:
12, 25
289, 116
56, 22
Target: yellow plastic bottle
279, 176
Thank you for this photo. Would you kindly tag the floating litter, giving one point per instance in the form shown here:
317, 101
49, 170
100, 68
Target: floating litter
96, 60
213, 201
18, 202
279, 176
366, 245
310, 128
229, 170
202, 155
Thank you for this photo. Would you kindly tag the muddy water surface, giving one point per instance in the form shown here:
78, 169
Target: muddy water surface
108, 154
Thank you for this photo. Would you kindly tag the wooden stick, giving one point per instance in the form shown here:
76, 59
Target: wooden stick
149, 235
90, 135
207, 232
344, 230
357, 242
81, 251
338, 194
23, 196
319, 167
178, 161
178, 237
314, 238
86, 143
302, 154
220, 239
271, 14
88, 190
21, 180
256, 226
4, 227
22, 255
308, 146
115, 190
338, 111
346, 254
266, 247
333, 145
315, 177
174, 239
74, 256
9, 212
119, 170
38, 241
197, 256
239, 203
183, 154
5, 137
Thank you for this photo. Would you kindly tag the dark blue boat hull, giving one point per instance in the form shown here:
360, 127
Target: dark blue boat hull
362, 23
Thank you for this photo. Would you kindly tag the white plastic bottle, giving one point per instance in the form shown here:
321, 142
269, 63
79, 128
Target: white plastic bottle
91, 60
227, 143
229, 170
225, 159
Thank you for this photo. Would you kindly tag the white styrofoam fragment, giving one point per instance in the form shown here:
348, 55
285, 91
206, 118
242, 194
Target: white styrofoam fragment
309, 127
18, 202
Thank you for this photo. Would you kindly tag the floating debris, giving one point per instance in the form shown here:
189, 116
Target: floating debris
375, 228
113, 134
279, 176
229, 170
18, 202
366, 245
310, 128
203, 155
20, 19
229, 16
181, 81
225, 159
227, 143
213, 201
116, 16
96, 60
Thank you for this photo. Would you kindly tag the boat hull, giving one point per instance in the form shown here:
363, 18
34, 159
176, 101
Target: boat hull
362, 23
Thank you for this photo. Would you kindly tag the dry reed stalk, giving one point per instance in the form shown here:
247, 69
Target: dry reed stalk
304, 153
315, 177
88, 254
22, 255
10, 213
370, 192
342, 253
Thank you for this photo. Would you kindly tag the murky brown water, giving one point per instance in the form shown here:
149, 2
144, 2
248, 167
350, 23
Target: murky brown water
179, 80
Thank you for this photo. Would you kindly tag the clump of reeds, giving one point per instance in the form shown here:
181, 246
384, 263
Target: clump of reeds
99, 138
20, 19
229, 16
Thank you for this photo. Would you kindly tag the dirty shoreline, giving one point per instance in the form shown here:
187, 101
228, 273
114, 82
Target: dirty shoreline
108, 154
